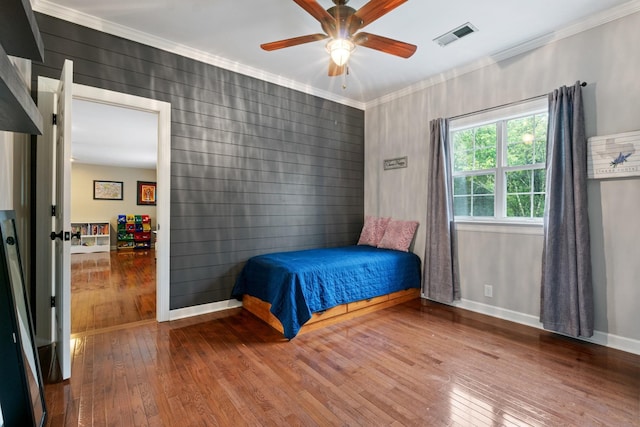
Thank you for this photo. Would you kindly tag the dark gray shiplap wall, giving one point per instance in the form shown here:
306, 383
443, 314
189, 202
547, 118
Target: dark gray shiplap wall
255, 167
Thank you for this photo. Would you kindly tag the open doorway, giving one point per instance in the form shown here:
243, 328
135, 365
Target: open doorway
54, 322
113, 280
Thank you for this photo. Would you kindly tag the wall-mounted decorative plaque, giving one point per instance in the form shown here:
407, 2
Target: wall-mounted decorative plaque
397, 163
614, 156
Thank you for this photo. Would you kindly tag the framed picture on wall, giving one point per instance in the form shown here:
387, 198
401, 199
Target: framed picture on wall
146, 193
107, 190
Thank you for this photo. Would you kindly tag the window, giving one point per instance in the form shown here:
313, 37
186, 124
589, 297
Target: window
498, 163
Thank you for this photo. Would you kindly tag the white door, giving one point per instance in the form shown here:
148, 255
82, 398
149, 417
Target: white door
46, 177
62, 220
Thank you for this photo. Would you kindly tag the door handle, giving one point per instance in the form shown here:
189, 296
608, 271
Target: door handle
62, 235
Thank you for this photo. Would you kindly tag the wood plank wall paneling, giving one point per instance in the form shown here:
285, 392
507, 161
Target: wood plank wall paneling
255, 167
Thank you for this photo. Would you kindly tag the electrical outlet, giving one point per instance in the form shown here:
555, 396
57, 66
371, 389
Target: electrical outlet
488, 291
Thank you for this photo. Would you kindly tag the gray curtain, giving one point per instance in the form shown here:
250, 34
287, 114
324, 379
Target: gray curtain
567, 289
440, 266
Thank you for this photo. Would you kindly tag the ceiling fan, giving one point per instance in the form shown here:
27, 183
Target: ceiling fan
342, 24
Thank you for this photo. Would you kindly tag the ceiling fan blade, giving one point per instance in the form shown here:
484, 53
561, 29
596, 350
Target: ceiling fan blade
384, 44
314, 9
370, 12
293, 41
335, 69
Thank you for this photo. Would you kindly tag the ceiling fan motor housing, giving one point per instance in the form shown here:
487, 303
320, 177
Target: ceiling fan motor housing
339, 28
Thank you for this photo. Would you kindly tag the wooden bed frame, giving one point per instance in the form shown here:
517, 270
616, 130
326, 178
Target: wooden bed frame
333, 315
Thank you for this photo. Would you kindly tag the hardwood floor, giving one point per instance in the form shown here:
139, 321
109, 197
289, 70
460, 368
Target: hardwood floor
112, 288
415, 364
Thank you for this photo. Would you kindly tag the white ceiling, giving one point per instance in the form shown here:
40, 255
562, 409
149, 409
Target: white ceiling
103, 134
229, 34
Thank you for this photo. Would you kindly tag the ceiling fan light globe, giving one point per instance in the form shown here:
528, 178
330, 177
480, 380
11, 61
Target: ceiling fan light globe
340, 50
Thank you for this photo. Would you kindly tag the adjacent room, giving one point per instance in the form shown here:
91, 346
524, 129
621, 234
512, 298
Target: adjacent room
320, 212
112, 268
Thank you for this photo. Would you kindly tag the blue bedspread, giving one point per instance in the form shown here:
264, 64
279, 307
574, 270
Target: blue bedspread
300, 283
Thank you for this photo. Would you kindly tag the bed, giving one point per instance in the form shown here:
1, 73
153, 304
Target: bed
291, 289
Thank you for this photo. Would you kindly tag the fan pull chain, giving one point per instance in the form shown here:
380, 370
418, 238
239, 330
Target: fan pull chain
344, 78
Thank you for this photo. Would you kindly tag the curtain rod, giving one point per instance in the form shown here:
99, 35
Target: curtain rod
509, 104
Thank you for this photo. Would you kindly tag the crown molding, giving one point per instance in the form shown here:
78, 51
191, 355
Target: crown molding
577, 27
71, 15
572, 29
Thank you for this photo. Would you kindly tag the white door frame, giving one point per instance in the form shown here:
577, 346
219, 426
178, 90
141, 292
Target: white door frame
46, 327
163, 175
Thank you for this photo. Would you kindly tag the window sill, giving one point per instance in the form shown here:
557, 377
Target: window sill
503, 227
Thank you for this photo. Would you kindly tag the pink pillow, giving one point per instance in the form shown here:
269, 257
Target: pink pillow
398, 235
373, 230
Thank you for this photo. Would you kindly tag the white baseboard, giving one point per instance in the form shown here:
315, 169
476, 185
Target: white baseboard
197, 310
602, 338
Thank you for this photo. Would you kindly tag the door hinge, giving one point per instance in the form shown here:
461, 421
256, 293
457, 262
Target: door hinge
53, 301
54, 119
53, 210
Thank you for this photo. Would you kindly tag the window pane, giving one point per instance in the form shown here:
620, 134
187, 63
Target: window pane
486, 136
538, 205
540, 129
462, 205
462, 185
540, 142
483, 205
463, 161
463, 140
484, 184
485, 159
474, 149
520, 153
463, 150
520, 130
519, 182
519, 205
527, 140
540, 151
539, 180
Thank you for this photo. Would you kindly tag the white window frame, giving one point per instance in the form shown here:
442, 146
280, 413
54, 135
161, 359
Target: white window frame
500, 116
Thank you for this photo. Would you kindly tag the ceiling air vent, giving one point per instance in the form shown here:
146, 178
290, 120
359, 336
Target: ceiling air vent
455, 34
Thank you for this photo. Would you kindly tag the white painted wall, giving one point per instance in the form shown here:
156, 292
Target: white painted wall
85, 209
608, 58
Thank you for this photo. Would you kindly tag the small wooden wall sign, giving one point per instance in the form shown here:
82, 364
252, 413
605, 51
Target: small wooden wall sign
397, 163
614, 156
